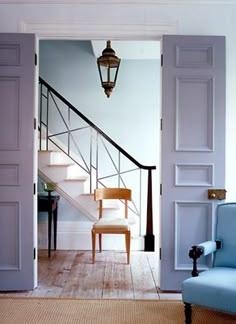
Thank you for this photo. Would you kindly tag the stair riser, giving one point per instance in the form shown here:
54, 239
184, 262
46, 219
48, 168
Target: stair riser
43, 158
72, 188
56, 174
47, 157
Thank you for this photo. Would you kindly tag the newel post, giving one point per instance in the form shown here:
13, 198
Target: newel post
149, 240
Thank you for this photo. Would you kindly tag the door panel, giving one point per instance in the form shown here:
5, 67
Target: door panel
17, 201
193, 148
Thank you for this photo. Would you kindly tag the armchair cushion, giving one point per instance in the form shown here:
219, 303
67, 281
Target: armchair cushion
215, 288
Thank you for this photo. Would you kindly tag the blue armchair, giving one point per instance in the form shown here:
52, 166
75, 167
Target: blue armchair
216, 287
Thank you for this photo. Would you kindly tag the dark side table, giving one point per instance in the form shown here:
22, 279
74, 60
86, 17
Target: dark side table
49, 203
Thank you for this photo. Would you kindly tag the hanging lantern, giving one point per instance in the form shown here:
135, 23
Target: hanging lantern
108, 66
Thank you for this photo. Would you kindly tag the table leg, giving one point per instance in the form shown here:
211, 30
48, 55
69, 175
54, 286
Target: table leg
49, 224
55, 228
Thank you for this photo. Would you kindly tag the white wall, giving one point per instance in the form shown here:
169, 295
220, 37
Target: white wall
116, 18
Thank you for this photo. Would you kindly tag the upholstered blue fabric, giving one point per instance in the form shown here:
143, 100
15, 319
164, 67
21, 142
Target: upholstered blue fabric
226, 232
214, 288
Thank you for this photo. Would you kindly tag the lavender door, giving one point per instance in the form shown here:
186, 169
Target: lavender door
193, 148
17, 216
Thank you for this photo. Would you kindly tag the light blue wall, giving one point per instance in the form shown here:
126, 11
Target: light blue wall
130, 116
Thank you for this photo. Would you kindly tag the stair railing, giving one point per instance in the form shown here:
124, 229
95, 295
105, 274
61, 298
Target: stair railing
97, 155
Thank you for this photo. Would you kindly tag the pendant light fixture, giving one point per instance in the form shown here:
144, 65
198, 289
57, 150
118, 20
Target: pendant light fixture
108, 66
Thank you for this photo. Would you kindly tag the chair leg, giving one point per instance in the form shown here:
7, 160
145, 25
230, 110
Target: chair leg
127, 244
93, 245
188, 313
100, 243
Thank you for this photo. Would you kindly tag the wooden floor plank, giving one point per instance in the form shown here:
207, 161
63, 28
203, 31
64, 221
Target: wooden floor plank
154, 266
53, 279
144, 285
117, 279
86, 279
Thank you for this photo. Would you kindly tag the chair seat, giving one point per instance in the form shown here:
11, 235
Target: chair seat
115, 223
214, 288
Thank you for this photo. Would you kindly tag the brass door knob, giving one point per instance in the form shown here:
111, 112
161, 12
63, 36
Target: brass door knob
216, 194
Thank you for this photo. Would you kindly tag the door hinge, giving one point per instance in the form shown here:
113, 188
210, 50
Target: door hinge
35, 122
160, 189
34, 188
160, 254
34, 253
161, 124
161, 59
35, 59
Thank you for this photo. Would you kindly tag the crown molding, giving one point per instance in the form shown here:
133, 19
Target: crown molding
75, 30
115, 2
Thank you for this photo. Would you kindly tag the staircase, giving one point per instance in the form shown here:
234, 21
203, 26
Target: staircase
78, 157
73, 185
54, 166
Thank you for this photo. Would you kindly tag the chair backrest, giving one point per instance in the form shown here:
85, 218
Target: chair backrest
112, 193
226, 233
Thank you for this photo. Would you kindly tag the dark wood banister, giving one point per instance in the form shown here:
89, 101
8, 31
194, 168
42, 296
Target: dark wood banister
145, 167
149, 243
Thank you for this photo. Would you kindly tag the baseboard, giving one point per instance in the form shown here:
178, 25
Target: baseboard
77, 236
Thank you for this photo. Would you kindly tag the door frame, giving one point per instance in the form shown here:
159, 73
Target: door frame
78, 31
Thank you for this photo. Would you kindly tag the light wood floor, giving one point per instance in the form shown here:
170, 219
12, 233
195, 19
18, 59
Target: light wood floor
72, 274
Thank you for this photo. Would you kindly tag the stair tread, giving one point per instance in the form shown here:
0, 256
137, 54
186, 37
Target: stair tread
79, 178
60, 164
48, 151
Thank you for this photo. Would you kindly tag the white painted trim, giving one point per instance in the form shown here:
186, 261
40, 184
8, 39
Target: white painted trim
124, 2
77, 236
76, 30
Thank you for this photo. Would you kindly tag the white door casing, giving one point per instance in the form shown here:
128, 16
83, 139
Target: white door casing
193, 148
17, 199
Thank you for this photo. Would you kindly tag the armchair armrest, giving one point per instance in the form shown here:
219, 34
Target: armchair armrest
204, 248
207, 247
195, 254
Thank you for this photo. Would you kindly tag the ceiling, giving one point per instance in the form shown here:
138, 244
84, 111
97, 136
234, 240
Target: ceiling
130, 50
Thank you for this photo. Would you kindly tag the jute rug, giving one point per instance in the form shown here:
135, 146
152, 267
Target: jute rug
25, 310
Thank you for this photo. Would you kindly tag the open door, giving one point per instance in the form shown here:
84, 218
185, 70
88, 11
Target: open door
17, 192
193, 148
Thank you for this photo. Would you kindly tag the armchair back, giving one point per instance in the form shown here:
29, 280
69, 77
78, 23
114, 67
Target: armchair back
226, 233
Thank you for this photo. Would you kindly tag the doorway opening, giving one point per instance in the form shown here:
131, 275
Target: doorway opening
70, 67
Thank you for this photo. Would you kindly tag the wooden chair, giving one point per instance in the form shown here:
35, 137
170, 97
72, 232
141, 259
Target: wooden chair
113, 224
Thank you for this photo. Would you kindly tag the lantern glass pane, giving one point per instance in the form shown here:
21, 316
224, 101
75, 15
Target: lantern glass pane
103, 70
113, 74
108, 75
